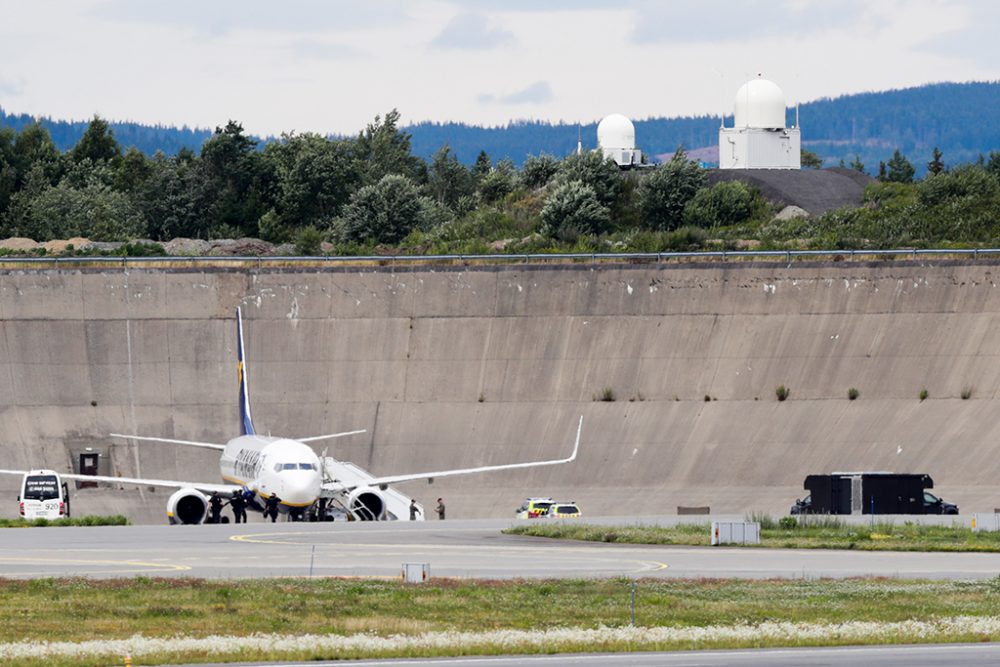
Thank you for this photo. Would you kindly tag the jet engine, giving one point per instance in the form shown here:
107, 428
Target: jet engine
366, 504
187, 506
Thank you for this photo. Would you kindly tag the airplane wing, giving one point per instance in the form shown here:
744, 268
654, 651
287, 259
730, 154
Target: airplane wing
189, 443
395, 479
314, 438
171, 484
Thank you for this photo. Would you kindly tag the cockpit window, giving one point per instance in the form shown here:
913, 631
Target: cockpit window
278, 467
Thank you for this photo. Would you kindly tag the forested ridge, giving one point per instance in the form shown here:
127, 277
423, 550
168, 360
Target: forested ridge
962, 119
373, 194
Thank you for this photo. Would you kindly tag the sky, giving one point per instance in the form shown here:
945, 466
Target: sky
331, 66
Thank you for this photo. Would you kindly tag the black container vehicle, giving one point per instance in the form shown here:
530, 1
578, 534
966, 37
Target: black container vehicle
871, 493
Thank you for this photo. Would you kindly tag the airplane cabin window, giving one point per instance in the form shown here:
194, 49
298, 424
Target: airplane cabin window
289, 466
277, 467
306, 466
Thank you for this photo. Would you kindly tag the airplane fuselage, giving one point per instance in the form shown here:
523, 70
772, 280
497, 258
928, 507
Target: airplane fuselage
270, 466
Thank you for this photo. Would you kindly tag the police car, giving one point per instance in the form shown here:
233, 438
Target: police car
532, 508
563, 511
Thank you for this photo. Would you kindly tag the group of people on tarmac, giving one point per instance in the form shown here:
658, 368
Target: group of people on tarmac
236, 501
239, 505
414, 510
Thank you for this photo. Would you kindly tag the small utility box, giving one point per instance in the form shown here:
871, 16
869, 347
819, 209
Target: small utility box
416, 573
735, 532
982, 523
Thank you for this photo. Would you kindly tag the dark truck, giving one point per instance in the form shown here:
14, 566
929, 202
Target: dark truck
871, 493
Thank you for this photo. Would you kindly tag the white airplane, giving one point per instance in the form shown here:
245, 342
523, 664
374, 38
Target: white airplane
259, 467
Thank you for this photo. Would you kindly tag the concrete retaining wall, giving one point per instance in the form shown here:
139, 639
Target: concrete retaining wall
453, 367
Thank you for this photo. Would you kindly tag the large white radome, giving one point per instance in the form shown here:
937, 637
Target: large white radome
760, 104
616, 132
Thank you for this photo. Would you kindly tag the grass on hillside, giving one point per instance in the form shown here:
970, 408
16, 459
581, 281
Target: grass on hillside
812, 533
109, 609
89, 520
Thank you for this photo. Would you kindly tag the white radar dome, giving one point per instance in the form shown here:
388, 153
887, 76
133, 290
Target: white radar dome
616, 132
761, 104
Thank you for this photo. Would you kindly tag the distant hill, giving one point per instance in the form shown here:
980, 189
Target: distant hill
147, 138
962, 119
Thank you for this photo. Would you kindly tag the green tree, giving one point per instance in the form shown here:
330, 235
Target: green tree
499, 183
993, 165
168, 198
228, 181
900, 170
33, 147
271, 229
133, 170
723, 204
384, 212
94, 211
8, 168
857, 164
383, 148
538, 170
17, 219
665, 192
482, 167
314, 178
592, 169
308, 242
448, 179
573, 208
936, 165
810, 160
97, 143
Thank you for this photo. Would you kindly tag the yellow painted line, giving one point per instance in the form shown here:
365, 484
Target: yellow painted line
654, 566
159, 567
389, 549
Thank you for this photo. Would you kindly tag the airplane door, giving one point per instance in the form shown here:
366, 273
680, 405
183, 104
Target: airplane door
88, 466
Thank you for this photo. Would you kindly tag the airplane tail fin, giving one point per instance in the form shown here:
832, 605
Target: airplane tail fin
246, 421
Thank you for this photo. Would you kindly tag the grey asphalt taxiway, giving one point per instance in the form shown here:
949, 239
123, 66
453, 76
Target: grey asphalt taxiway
463, 548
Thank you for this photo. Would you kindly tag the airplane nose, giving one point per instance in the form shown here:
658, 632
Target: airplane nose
300, 489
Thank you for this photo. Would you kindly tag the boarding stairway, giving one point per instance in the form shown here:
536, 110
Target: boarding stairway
397, 505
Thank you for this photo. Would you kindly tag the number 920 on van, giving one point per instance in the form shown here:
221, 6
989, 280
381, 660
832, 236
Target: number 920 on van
43, 496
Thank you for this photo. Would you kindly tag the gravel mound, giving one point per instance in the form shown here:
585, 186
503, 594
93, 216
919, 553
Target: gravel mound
813, 190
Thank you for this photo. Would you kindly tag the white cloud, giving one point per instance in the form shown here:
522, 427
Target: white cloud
537, 93
323, 50
221, 16
749, 20
471, 31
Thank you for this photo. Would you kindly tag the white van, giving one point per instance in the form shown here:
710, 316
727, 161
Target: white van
43, 496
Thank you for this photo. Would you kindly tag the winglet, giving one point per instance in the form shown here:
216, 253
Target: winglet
246, 421
576, 447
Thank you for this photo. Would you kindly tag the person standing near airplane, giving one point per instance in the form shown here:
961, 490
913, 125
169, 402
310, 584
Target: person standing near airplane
440, 509
271, 507
239, 507
414, 510
215, 503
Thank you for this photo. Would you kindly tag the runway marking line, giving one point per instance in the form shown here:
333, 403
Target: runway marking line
254, 538
131, 564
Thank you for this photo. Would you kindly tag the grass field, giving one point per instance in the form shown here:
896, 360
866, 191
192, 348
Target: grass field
360, 615
89, 520
814, 533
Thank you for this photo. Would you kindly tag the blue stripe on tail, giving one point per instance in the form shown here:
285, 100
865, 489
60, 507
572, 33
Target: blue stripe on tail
246, 421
